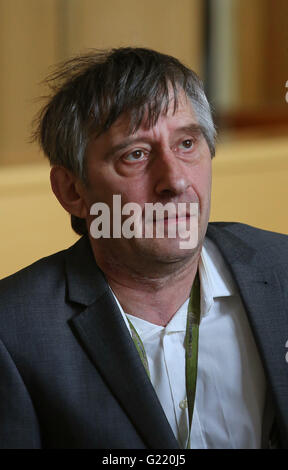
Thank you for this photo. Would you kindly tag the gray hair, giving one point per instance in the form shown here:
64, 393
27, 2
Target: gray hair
89, 92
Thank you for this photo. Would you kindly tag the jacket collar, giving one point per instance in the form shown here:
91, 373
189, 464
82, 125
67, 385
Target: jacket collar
104, 335
85, 281
260, 289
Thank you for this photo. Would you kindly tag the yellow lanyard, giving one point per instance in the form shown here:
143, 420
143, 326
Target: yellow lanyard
191, 348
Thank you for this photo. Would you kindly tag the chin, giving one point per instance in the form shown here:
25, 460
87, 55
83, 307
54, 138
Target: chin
165, 250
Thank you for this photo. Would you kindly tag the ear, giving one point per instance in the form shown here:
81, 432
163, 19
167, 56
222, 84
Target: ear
69, 191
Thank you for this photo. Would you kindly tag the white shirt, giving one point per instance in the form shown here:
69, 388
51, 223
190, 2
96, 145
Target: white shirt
231, 387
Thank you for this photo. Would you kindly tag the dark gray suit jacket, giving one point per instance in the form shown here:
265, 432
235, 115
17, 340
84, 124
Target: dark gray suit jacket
70, 376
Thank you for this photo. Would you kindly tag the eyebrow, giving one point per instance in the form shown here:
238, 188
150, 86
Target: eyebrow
122, 145
193, 128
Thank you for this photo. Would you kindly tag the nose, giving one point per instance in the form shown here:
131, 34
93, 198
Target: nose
172, 178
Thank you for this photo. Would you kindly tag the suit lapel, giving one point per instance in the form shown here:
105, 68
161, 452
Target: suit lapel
263, 300
105, 337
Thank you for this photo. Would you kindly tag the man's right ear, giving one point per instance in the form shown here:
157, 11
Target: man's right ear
69, 191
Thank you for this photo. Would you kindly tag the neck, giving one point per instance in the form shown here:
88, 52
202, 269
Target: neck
154, 299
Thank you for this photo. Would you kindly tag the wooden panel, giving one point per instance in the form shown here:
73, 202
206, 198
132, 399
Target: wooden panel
166, 25
250, 51
262, 52
276, 47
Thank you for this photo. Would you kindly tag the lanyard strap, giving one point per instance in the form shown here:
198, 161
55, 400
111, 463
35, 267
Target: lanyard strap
140, 347
191, 348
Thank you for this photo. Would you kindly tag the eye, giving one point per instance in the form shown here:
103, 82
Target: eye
136, 155
186, 144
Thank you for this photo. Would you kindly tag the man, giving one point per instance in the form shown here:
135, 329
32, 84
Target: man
99, 342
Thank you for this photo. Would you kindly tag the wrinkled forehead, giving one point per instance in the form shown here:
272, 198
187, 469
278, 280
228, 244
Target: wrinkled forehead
148, 115
123, 131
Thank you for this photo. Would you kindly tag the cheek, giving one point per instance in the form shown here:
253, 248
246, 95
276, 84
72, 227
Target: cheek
206, 174
202, 182
205, 185
136, 190
202, 186
102, 184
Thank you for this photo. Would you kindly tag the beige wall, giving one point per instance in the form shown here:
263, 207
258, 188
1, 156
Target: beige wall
167, 25
36, 34
25, 55
250, 183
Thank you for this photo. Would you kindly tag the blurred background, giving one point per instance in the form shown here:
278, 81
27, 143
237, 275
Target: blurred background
238, 47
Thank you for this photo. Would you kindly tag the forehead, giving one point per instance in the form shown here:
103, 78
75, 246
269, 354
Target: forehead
177, 113
178, 116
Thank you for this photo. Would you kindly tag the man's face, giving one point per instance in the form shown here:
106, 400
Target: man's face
169, 162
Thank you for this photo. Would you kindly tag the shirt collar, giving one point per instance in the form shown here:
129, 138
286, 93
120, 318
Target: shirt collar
216, 281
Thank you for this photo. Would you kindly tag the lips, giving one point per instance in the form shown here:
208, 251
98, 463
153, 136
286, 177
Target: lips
177, 218
169, 212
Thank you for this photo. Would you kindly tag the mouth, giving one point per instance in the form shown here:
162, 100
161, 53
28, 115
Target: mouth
174, 214
176, 219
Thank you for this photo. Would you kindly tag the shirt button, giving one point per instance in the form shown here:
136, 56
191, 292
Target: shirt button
183, 404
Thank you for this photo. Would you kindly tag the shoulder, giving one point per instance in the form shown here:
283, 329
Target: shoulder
36, 288
250, 233
30, 292
270, 245
37, 277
